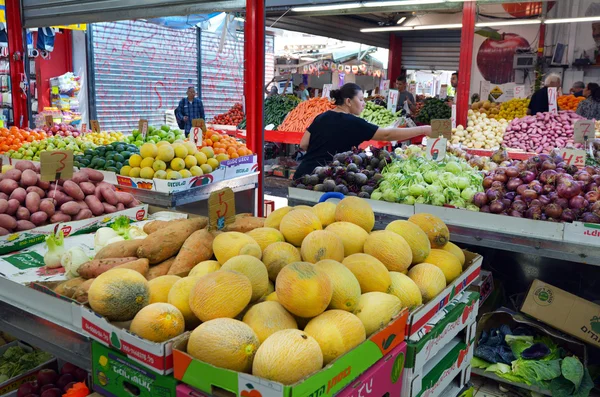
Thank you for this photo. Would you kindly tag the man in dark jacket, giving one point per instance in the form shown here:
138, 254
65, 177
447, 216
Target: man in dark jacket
189, 108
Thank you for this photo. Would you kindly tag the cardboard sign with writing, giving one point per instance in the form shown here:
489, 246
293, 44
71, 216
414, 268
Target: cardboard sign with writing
574, 157
327, 90
56, 164
83, 128
199, 123
392, 100
436, 148
49, 120
552, 95
444, 91
95, 125
143, 127
385, 87
441, 127
453, 117
196, 136
519, 91
583, 130
221, 209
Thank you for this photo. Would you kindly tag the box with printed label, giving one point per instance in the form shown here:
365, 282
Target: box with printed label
12, 384
423, 314
184, 390
582, 233
116, 375
484, 286
383, 378
324, 383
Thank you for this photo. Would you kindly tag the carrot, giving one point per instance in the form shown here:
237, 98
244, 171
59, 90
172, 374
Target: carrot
197, 248
96, 267
301, 117
160, 270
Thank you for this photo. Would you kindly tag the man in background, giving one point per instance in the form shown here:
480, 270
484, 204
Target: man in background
404, 96
454, 82
302, 92
539, 100
577, 89
189, 109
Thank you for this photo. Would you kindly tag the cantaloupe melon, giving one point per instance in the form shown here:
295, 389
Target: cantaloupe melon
274, 218
415, 237
446, 261
204, 267
302, 207
320, 245
326, 212
119, 294
437, 232
230, 244
287, 356
456, 251
372, 275
298, 224
376, 310
278, 255
158, 322
346, 289
179, 296
266, 318
353, 236
220, 294
224, 343
272, 297
265, 236
429, 278
357, 211
390, 248
303, 289
406, 290
252, 268
337, 332
160, 287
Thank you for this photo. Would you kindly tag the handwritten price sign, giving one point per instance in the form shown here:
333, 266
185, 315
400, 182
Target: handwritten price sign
392, 100
574, 157
552, 94
385, 87
221, 209
49, 120
84, 128
95, 125
143, 127
441, 127
56, 165
436, 148
453, 117
583, 130
327, 90
519, 91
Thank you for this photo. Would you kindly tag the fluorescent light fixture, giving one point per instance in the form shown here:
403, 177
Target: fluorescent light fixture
401, 20
401, 3
331, 7
569, 20
508, 23
386, 29
239, 19
447, 26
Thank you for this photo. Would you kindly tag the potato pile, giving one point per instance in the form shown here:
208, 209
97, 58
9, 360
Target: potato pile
27, 202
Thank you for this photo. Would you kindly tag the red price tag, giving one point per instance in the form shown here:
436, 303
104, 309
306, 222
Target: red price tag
574, 157
436, 149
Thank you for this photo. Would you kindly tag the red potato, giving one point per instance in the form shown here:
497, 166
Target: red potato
95, 205
37, 190
134, 203
23, 165
19, 194
48, 206
23, 225
55, 187
109, 195
7, 222
13, 206
7, 185
80, 177
73, 190
124, 197
108, 185
109, 209
87, 188
60, 217
94, 175
13, 174
32, 202
42, 184
3, 196
70, 208
39, 218
3, 205
120, 207
85, 213
28, 178
82, 204
98, 193
3, 231
23, 214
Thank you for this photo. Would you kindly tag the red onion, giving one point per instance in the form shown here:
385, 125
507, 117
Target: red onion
487, 182
563, 202
583, 176
553, 210
518, 197
596, 179
535, 203
529, 194
518, 205
510, 196
548, 165
500, 176
548, 177
595, 208
592, 196
497, 185
506, 202
536, 186
485, 208
545, 157
588, 217
547, 189
515, 213
561, 164
545, 200
493, 195
480, 199
534, 213
591, 187
590, 170
578, 203
513, 183
521, 189
568, 215
527, 176
567, 188
511, 172
496, 206
571, 169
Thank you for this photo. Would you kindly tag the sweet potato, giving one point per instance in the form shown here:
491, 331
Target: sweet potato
120, 249
244, 224
141, 266
166, 242
154, 226
69, 287
96, 267
197, 248
161, 269
81, 293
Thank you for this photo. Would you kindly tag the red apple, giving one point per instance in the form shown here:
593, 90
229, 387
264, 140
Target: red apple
46, 387
46, 376
64, 380
27, 388
70, 385
81, 374
526, 9
495, 57
52, 393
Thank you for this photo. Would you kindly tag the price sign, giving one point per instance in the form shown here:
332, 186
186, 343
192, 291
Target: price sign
552, 94
574, 157
443, 91
412, 88
392, 100
49, 120
583, 130
221, 209
385, 87
436, 149
54, 91
56, 164
95, 125
441, 127
519, 91
83, 128
143, 127
199, 123
316, 92
327, 90
453, 117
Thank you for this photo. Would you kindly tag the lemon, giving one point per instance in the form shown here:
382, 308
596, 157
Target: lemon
222, 157
208, 151
165, 153
147, 173
200, 158
214, 163
190, 161
135, 160
185, 174
207, 169
191, 148
173, 175
147, 162
177, 164
160, 174
135, 172
148, 150
159, 165
125, 170
180, 151
196, 171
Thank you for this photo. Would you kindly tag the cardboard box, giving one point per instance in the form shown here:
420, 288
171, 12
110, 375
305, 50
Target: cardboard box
484, 286
564, 311
423, 314
327, 382
382, 379
11, 385
582, 233
184, 390
116, 375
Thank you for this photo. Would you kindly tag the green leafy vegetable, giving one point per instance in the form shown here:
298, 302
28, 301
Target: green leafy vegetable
518, 343
477, 362
572, 370
537, 371
121, 226
16, 361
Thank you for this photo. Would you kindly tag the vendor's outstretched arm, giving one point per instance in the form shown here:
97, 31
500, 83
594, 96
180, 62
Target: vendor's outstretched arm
400, 134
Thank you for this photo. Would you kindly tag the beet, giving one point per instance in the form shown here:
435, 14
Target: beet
48, 386
70, 385
52, 393
46, 376
68, 368
65, 379
27, 388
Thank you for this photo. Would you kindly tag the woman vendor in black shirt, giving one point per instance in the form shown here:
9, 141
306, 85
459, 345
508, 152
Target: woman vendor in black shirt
339, 130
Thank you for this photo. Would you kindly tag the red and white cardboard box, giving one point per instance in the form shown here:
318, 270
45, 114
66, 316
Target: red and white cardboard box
582, 233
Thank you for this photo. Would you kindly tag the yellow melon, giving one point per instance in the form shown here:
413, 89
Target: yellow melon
415, 237
158, 322
220, 294
252, 268
224, 343
203, 268
230, 244
446, 261
456, 251
390, 248
274, 218
353, 236
119, 294
355, 210
287, 356
179, 296
298, 224
278, 255
376, 310
266, 318
303, 289
302, 207
436, 230
337, 332
320, 245
346, 289
265, 236
372, 275
326, 212
160, 287
429, 278
272, 297
406, 290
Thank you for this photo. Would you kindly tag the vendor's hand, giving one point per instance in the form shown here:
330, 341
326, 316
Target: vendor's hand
427, 130
185, 118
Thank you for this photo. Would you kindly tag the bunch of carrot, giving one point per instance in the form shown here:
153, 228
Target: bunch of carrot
299, 119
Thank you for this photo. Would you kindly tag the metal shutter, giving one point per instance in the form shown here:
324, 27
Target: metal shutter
436, 50
141, 70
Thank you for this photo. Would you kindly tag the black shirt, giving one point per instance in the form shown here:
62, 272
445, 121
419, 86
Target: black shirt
331, 133
539, 101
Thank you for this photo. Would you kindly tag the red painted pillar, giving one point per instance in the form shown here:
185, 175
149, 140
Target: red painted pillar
254, 76
465, 61
394, 57
15, 59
